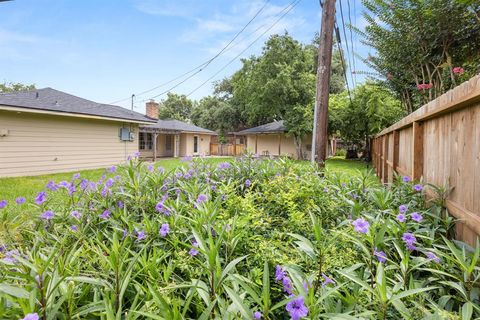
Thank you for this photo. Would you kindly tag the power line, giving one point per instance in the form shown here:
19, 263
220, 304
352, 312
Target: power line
337, 33
346, 41
291, 5
202, 66
351, 41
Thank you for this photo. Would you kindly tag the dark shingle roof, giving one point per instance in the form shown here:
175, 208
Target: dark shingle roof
177, 125
49, 99
272, 127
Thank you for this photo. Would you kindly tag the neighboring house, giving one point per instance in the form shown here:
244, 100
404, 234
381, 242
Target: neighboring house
47, 131
271, 139
172, 138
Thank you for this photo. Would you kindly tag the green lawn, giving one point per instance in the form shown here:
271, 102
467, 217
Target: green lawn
11, 188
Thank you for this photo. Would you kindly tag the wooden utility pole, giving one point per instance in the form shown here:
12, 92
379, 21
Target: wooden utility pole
323, 81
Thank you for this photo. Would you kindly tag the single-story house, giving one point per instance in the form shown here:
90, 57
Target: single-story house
47, 131
271, 139
172, 138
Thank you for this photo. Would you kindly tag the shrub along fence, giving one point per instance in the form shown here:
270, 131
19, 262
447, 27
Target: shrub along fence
440, 144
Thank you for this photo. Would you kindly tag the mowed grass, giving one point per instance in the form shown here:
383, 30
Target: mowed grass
28, 187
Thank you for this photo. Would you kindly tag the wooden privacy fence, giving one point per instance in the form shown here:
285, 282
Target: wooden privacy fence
440, 144
227, 149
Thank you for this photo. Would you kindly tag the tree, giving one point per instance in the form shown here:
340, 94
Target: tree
424, 48
214, 114
11, 87
175, 106
279, 84
373, 108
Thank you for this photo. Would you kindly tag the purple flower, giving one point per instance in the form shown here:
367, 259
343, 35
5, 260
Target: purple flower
402, 208
361, 225
193, 252
10, 256
141, 235
327, 280
76, 176
325, 189
214, 188
381, 256
201, 198
76, 214
84, 184
47, 215
178, 175
223, 165
112, 169
164, 230
150, 168
401, 217
248, 183
105, 214
20, 200
279, 273
125, 232
109, 183
3, 204
418, 187
296, 308
64, 184
411, 247
257, 315
120, 204
74, 228
406, 179
159, 206
31, 316
432, 257
161, 170
416, 217
409, 238
287, 285
51, 185
71, 189
41, 197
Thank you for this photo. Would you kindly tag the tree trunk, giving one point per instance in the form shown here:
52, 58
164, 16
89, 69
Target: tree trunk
298, 147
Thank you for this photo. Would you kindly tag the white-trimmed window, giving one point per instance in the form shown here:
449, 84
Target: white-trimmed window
146, 141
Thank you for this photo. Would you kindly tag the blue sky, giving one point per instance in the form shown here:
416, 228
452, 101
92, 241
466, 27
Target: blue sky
106, 50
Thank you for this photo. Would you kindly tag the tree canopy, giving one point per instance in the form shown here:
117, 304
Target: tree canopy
423, 48
15, 86
176, 106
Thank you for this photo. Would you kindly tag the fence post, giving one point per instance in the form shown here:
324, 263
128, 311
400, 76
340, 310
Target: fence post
396, 149
417, 150
385, 159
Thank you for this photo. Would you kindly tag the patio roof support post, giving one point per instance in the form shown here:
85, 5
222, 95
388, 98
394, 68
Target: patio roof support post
279, 144
176, 146
234, 145
155, 135
256, 144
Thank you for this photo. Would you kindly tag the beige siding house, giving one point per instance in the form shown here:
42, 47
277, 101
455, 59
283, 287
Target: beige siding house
172, 138
271, 140
47, 131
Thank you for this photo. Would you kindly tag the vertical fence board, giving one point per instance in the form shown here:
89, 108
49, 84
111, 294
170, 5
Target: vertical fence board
440, 143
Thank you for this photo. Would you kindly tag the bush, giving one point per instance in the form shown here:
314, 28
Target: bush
233, 241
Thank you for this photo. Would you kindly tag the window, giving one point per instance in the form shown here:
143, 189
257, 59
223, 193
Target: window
168, 143
146, 141
195, 144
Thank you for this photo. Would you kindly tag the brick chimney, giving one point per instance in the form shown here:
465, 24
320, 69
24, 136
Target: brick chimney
152, 109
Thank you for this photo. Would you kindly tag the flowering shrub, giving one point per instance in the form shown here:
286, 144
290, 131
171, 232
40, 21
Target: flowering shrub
249, 239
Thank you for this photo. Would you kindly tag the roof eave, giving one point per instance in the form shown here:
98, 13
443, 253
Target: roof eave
71, 114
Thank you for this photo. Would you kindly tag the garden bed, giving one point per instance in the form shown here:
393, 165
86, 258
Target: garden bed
243, 239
